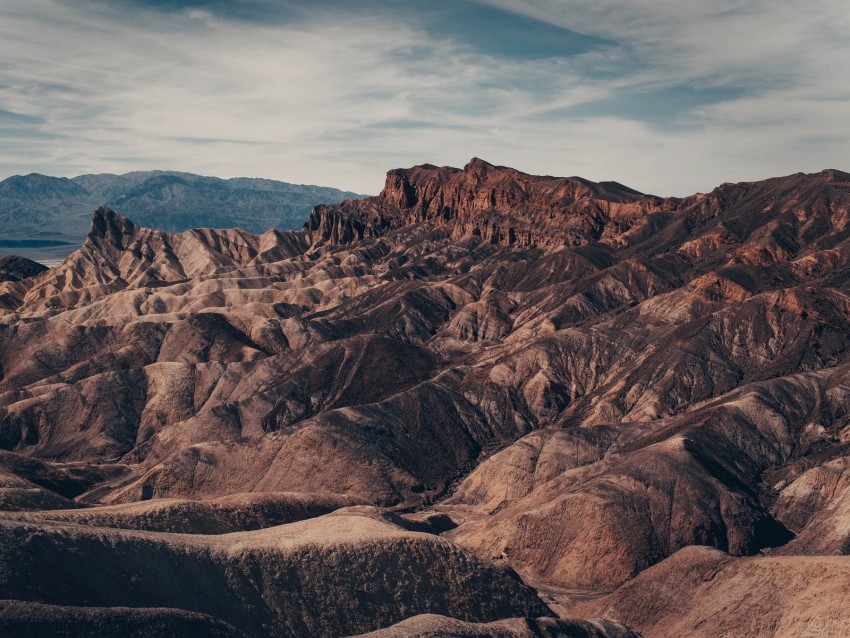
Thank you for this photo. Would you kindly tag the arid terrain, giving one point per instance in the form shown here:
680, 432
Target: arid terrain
482, 403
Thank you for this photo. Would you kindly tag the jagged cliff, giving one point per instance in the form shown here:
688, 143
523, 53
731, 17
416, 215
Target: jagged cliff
500, 205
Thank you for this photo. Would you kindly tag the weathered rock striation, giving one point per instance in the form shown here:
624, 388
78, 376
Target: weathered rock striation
703, 592
498, 204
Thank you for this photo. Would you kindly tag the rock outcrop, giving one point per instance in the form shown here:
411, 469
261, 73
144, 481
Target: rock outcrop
500, 205
45, 218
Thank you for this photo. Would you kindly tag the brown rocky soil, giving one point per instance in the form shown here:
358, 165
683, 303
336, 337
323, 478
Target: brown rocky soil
572, 379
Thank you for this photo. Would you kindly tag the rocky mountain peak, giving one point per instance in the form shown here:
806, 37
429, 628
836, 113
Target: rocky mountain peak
477, 167
36, 185
109, 230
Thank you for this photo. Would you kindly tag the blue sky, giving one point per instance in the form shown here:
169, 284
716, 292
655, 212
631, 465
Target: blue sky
667, 97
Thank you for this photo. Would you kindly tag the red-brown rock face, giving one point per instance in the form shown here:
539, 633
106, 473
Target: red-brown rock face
501, 205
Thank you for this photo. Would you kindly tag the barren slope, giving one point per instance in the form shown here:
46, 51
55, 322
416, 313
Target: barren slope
702, 592
434, 626
335, 575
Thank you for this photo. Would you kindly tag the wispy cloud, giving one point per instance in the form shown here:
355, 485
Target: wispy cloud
667, 97
780, 63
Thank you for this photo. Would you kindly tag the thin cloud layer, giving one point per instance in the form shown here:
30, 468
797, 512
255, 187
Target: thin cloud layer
667, 97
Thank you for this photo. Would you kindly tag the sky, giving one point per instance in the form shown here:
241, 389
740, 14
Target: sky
668, 97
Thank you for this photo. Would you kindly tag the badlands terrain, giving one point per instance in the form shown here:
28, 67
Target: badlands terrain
482, 403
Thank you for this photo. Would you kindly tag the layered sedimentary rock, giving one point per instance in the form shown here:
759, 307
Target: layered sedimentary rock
500, 205
573, 379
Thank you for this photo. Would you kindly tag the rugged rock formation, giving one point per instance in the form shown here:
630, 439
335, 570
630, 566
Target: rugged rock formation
500, 205
13, 269
574, 379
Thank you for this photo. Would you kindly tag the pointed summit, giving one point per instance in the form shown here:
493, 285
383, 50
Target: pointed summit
110, 227
478, 166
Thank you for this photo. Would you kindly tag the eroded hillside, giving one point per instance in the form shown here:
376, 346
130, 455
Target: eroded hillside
571, 379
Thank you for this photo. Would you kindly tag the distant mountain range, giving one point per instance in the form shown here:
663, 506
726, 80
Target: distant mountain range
47, 217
